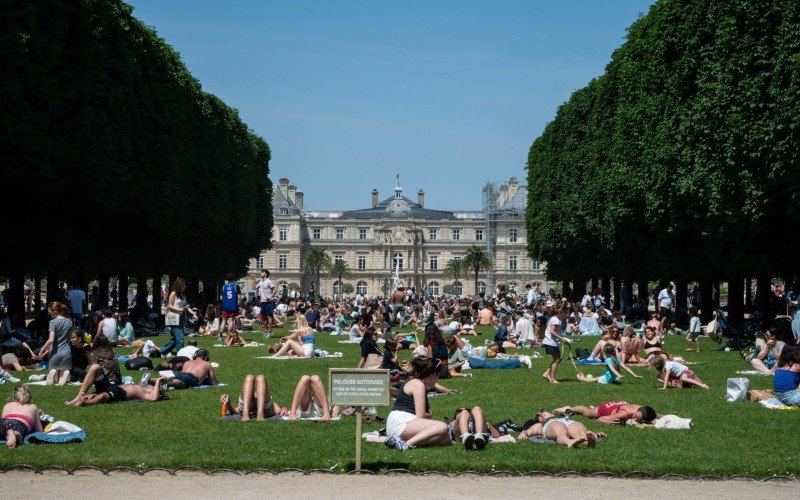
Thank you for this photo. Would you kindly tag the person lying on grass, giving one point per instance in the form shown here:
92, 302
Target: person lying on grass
469, 426
612, 365
311, 401
256, 397
20, 417
562, 430
612, 412
410, 422
125, 392
234, 340
676, 374
194, 373
103, 369
787, 376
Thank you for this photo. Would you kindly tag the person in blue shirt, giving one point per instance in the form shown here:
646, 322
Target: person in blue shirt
612, 365
787, 377
230, 305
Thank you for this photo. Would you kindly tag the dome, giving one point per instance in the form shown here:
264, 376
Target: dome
398, 207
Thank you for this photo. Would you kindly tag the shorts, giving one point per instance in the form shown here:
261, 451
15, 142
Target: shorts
267, 309
678, 383
116, 394
405, 344
606, 379
396, 422
692, 336
610, 407
269, 407
665, 313
12, 424
229, 314
552, 350
314, 410
308, 350
789, 398
188, 379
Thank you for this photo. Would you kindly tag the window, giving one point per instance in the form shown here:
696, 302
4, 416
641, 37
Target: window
479, 234
361, 288
339, 233
282, 259
512, 235
481, 287
458, 288
536, 265
433, 288
456, 257
336, 287
456, 234
282, 234
362, 233
397, 261
362, 262
434, 261
431, 234
284, 211
512, 263
338, 257
260, 262
315, 233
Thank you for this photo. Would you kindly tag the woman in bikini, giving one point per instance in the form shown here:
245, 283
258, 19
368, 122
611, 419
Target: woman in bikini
612, 412
630, 346
652, 345
562, 430
20, 417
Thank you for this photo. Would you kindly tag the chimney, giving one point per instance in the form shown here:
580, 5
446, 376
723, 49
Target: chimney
292, 192
283, 182
513, 186
421, 198
298, 197
374, 198
501, 200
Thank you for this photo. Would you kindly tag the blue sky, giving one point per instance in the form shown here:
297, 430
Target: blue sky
449, 93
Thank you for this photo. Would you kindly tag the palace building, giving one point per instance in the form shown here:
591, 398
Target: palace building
400, 234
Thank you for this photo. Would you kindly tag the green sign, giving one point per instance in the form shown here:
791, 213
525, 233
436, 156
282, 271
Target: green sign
358, 387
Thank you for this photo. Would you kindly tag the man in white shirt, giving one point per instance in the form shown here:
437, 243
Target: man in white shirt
524, 329
188, 351
266, 295
666, 305
531, 296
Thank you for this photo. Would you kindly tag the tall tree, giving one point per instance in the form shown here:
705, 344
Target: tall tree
316, 261
454, 269
340, 269
477, 259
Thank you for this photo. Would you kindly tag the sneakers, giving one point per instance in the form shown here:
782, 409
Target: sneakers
397, 443
65, 378
51, 377
467, 375
267, 335
468, 440
480, 442
37, 378
526, 360
145, 379
7, 377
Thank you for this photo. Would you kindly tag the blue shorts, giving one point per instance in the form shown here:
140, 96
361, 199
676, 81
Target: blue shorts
188, 379
267, 308
791, 398
552, 350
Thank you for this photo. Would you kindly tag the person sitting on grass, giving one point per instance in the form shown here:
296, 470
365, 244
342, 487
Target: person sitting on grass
371, 356
125, 332
126, 392
20, 417
612, 365
676, 374
469, 426
786, 383
612, 412
410, 422
767, 352
103, 369
256, 397
652, 345
562, 430
311, 401
630, 345
612, 336
300, 343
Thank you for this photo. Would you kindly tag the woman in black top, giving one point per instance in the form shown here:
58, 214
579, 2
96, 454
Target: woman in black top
369, 347
410, 422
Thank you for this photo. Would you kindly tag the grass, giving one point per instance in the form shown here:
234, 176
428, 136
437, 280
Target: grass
726, 439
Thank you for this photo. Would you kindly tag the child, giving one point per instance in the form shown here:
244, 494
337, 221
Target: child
390, 355
787, 376
612, 365
676, 374
693, 335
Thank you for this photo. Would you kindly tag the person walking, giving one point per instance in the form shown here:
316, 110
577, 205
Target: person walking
177, 307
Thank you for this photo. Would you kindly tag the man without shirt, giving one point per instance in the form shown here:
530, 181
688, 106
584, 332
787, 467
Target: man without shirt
195, 372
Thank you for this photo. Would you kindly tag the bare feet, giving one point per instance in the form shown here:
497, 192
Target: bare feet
591, 439
574, 442
75, 402
553, 381
704, 386
12, 438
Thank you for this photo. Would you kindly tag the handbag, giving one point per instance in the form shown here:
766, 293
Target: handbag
373, 361
737, 389
172, 319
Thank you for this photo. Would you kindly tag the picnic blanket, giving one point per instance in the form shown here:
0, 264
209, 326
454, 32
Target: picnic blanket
753, 372
234, 417
57, 432
249, 344
775, 404
590, 362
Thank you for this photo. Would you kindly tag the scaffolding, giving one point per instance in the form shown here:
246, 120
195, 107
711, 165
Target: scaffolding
490, 212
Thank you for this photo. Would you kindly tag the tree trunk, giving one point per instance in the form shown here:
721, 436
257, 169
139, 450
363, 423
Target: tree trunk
566, 290
606, 285
579, 290
736, 300
157, 293
594, 284
53, 290
681, 297
706, 303
763, 292
37, 295
122, 292
141, 293
748, 293
16, 300
642, 292
102, 290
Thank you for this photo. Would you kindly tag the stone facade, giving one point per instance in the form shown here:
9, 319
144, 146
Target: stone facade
398, 232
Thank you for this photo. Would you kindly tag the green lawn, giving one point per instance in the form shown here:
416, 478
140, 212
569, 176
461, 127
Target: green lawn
727, 438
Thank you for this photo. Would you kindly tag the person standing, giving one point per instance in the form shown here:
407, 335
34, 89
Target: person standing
77, 302
266, 295
551, 342
58, 345
230, 304
177, 307
666, 305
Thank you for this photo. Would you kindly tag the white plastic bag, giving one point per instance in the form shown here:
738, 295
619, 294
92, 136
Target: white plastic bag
737, 389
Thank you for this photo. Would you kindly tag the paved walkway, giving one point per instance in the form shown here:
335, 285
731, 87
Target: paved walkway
93, 485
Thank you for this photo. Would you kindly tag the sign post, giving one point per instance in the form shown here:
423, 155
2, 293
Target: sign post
359, 388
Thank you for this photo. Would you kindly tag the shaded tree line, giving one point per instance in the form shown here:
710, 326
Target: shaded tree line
681, 161
118, 162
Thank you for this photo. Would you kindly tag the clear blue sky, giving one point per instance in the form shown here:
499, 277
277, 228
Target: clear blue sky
449, 93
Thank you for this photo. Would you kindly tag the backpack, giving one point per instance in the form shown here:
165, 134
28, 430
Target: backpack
583, 353
139, 363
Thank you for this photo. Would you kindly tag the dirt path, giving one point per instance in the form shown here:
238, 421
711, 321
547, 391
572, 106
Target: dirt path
93, 485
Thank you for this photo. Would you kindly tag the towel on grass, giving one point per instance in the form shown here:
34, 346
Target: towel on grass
753, 372
775, 404
281, 358
58, 432
278, 417
665, 422
208, 386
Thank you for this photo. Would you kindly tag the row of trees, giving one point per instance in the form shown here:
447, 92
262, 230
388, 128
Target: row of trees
681, 161
118, 161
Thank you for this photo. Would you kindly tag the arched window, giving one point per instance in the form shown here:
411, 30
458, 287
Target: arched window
361, 288
397, 261
458, 288
481, 287
433, 288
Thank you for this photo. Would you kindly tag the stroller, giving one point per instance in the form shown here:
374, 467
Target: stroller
742, 338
